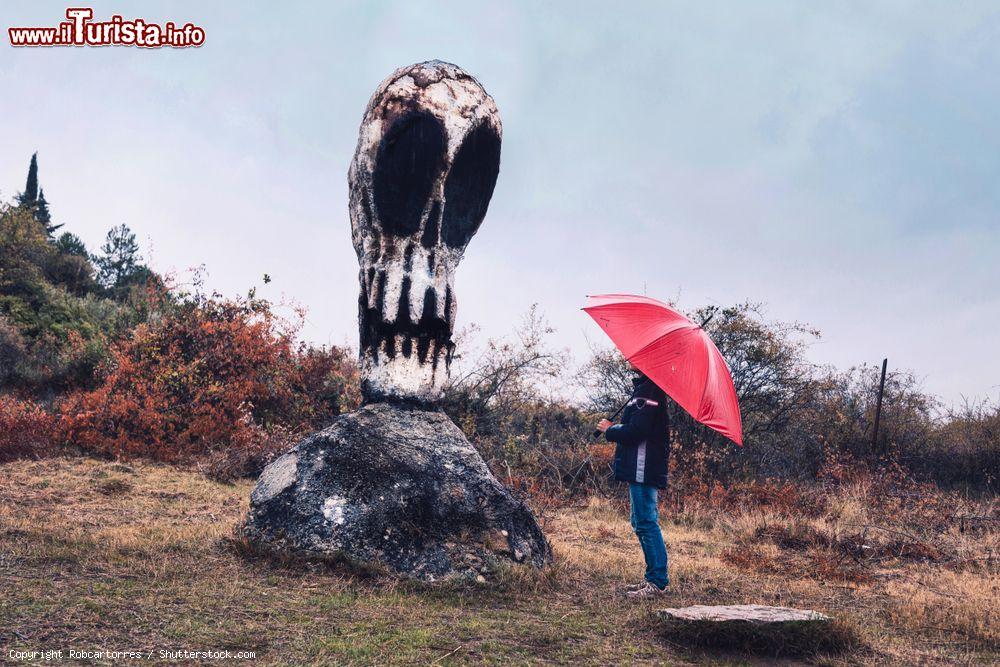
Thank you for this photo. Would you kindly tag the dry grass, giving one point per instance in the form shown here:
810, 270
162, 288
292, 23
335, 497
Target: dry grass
95, 555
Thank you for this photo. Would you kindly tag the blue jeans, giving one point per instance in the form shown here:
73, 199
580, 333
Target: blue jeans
647, 529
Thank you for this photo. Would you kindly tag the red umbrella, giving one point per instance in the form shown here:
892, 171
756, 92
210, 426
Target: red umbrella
676, 354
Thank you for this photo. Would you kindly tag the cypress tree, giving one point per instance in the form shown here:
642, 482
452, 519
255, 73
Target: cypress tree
30, 194
33, 198
42, 214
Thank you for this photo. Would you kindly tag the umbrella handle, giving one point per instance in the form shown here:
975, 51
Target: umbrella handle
597, 433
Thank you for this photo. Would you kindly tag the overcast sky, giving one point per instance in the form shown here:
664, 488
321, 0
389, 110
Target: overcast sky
839, 162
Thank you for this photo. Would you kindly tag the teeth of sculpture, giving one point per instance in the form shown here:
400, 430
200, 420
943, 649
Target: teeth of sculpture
427, 159
418, 290
393, 294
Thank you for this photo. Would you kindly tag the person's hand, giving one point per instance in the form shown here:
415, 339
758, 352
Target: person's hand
604, 425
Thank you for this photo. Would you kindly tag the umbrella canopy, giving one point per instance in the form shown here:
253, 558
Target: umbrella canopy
676, 354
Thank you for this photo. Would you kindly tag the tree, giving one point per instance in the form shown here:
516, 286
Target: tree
119, 260
70, 265
508, 373
42, 214
30, 194
33, 198
71, 244
23, 251
607, 380
13, 351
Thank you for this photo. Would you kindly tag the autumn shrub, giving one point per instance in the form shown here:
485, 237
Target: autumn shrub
26, 429
327, 380
209, 378
695, 486
963, 450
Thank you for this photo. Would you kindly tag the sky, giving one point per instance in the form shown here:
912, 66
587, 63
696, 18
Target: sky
838, 162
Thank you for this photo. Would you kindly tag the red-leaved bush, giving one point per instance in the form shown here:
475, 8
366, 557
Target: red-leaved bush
25, 429
211, 380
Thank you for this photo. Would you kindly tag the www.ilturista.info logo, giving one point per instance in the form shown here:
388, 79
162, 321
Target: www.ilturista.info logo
79, 30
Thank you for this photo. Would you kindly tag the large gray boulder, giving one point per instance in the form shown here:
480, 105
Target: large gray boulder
396, 487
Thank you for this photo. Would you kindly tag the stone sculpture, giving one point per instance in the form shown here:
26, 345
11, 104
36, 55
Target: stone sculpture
427, 160
396, 484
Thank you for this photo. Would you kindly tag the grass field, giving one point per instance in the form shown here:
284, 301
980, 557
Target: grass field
142, 557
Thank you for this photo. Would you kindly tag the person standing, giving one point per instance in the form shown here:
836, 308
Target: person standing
641, 457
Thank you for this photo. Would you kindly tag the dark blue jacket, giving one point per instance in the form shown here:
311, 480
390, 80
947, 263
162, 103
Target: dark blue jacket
642, 437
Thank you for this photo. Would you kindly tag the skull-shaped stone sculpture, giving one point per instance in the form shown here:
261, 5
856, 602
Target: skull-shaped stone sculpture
427, 160
395, 483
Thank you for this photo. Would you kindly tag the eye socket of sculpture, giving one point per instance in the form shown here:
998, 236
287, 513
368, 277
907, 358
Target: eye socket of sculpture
469, 186
409, 159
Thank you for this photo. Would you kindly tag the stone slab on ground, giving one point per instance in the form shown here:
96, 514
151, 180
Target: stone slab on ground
748, 613
753, 628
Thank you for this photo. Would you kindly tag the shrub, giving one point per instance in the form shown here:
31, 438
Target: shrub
963, 450
209, 375
500, 398
327, 380
74, 272
53, 323
489, 390
26, 429
13, 352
